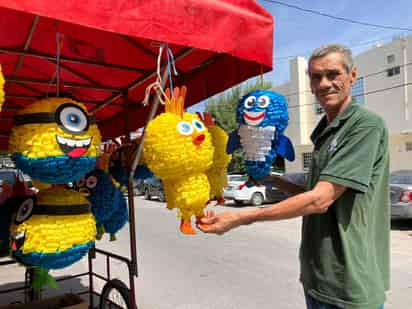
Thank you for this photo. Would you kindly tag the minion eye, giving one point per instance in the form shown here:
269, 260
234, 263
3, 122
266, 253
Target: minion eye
263, 101
250, 101
73, 119
199, 126
91, 182
184, 128
24, 211
80, 183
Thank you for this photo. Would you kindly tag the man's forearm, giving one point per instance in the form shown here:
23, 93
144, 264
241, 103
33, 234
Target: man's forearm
315, 201
296, 206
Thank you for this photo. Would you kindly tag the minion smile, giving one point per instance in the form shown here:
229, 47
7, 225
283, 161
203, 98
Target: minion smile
17, 240
74, 148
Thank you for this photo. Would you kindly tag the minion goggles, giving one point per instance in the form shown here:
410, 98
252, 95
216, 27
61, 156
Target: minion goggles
68, 116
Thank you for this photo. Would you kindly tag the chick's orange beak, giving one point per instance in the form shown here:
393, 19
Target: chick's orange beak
198, 139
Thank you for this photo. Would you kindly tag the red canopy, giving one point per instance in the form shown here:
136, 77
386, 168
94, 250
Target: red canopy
108, 56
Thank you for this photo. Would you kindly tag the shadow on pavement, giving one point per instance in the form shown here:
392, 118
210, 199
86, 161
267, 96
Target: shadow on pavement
18, 297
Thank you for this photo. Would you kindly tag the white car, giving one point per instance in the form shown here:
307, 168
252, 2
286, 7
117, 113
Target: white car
237, 190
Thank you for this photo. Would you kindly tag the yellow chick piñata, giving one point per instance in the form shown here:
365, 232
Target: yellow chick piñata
53, 231
55, 140
217, 173
178, 149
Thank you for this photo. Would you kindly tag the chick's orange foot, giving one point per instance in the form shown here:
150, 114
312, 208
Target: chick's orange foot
186, 227
220, 201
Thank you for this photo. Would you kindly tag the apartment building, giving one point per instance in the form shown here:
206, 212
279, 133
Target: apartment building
384, 86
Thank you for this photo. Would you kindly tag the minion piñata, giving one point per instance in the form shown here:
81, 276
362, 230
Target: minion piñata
53, 230
178, 149
55, 140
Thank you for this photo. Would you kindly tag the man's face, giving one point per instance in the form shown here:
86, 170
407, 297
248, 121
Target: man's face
330, 82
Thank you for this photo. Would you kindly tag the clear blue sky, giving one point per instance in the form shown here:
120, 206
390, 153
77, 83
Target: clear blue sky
298, 33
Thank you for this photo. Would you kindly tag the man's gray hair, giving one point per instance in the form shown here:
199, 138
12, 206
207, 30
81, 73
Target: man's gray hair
334, 48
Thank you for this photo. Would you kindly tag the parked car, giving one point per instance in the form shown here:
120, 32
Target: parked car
401, 194
256, 195
267, 193
153, 187
8, 178
138, 187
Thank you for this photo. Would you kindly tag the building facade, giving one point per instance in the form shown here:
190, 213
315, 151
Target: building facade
384, 86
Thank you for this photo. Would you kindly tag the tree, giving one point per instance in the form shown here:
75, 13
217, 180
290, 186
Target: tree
223, 110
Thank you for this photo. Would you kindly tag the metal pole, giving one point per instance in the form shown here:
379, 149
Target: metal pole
91, 256
130, 195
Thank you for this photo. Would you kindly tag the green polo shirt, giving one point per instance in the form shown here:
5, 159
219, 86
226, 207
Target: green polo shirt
344, 253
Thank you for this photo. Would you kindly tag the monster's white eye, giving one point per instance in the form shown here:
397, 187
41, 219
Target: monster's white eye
250, 101
91, 182
73, 119
199, 126
80, 183
263, 101
184, 128
24, 211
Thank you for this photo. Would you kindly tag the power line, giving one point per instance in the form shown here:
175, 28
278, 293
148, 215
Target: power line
337, 17
360, 77
283, 58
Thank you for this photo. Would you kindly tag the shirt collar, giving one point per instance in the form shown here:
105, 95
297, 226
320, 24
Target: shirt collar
322, 128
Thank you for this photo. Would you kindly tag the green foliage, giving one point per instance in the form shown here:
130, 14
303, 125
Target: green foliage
223, 110
237, 165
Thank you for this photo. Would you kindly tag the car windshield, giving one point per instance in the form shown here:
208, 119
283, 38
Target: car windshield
237, 177
8, 177
401, 179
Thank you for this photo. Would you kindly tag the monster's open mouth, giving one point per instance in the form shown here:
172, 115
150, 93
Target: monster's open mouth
74, 148
17, 240
253, 118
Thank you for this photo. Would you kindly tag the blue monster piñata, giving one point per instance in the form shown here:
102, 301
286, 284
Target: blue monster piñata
109, 205
262, 116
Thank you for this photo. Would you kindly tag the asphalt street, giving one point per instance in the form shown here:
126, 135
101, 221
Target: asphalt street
252, 267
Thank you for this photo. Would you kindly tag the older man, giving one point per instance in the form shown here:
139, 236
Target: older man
344, 254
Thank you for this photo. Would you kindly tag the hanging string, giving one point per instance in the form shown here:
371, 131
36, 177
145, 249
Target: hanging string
59, 43
56, 74
261, 75
171, 65
156, 85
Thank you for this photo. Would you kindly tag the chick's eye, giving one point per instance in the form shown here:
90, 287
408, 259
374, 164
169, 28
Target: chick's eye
91, 182
263, 101
199, 126
250, 101
184, 128
73, 119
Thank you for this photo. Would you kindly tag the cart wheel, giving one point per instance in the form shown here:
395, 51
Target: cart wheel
115, 295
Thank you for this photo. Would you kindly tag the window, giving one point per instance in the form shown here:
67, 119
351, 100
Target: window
393, 71
390, 59
357, 91
408, 146
307, 159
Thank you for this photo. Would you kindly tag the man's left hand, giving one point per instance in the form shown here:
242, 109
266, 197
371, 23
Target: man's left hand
219, 223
